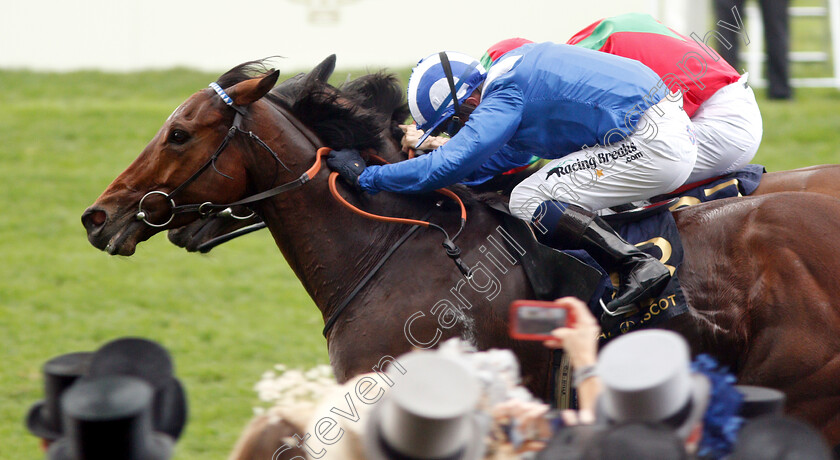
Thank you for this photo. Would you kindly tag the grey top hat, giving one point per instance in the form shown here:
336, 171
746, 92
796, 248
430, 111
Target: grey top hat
109, 418
60, 372
647, 378
430, 413
150, 362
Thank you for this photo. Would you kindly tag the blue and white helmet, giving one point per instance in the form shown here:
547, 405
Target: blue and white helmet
429, 91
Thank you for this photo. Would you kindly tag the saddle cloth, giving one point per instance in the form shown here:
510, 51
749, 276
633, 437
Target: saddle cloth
555, 273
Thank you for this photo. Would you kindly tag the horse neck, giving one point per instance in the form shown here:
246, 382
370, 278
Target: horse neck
329, 248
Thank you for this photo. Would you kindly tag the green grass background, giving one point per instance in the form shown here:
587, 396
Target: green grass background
227, 316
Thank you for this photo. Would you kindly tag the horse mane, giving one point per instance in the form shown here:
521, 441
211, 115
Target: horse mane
382, 92
353, 116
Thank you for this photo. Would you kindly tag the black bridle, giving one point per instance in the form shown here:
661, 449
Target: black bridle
208, 208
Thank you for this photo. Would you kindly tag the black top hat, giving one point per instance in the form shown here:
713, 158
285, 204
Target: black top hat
146, 360
109, 418
44, 417
636, 441
760, 401
569, 443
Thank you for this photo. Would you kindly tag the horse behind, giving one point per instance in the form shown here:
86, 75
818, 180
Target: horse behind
762, 293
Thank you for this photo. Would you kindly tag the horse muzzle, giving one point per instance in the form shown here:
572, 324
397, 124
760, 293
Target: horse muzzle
111, 234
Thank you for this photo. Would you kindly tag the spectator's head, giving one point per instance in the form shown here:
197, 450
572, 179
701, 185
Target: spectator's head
269, 437
150, 362
109, 418
647, 378
635, 441
777, 437
498, 49
429, 413
44, 417
336, 437
430, 96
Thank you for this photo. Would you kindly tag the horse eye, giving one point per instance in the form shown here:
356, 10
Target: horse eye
178, 136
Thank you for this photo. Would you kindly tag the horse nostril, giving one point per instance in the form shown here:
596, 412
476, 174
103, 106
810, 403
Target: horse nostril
93, 218
98, 218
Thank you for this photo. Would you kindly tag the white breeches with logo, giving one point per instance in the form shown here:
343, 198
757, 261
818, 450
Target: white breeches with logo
656, 158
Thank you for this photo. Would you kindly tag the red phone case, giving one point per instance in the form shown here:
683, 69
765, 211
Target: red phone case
515, 305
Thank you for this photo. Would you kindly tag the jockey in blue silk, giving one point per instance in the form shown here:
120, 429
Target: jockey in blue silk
613, 132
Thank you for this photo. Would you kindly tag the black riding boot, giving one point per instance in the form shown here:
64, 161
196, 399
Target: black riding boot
641, 276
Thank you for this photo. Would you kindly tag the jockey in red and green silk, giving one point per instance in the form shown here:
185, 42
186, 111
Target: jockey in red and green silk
683, 64
722, 107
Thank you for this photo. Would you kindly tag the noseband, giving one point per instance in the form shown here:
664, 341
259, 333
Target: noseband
225, 210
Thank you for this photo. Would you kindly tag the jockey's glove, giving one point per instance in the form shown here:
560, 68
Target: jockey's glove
348, 164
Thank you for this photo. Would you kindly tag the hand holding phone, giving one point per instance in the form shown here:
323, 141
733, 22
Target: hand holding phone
534, 319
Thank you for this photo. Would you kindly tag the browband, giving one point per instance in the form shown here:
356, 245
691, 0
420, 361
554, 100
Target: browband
228, 100
218, 89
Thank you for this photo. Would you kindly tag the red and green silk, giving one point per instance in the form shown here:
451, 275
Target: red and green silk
682, 63
496, 51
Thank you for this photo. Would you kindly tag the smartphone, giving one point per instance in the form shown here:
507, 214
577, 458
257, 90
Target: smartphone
535, 319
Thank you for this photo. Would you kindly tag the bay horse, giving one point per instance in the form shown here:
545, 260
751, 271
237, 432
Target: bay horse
762, 293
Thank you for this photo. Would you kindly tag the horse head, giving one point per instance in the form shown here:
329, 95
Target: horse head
379, 92
200, 231
209, 152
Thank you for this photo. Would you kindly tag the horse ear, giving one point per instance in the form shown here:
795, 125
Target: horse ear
251, 90
291, 89
324, 70
288, 89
